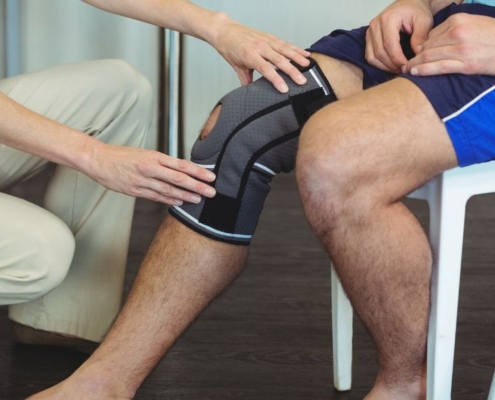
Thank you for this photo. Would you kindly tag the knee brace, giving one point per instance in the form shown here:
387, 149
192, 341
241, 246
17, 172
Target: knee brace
255, 137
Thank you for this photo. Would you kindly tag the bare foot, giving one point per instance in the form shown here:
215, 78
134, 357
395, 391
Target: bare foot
79, 388
411, 391
394, 394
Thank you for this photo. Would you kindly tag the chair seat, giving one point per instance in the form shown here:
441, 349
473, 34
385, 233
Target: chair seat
471, 181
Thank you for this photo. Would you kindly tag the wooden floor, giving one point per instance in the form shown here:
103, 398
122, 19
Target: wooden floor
269, 336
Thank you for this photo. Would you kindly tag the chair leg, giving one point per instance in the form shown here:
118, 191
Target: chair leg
342, 336
491, 395
447, 212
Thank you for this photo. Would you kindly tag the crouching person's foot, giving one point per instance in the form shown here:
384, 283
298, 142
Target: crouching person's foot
30, 336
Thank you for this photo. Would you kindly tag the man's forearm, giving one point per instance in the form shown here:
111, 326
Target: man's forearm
180, 15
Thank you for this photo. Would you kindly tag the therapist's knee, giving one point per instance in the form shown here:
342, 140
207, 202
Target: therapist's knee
45, 257
120, 76
136, 86
129, 97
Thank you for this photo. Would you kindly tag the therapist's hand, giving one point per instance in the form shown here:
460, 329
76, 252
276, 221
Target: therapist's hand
383, 49
463, 44
148, 174
247, 49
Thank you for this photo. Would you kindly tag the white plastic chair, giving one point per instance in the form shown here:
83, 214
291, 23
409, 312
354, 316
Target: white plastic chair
447, 195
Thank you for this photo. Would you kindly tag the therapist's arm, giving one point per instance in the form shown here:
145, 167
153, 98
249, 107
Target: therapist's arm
245, 49
136, 172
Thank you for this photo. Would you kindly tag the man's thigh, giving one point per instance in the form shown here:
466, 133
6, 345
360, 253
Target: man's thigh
413, 127
407, 130
388, 140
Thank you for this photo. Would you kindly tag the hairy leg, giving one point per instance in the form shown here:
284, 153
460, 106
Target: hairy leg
181, 274
357, 159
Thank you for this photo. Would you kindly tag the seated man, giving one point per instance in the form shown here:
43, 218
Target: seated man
357, 158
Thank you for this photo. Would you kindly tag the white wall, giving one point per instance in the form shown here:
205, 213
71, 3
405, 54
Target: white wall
62, 31
207, 77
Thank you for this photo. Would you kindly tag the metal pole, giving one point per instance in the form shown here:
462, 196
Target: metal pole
173, 40
13, 37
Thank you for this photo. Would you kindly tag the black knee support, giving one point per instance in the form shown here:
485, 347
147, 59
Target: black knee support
255, 138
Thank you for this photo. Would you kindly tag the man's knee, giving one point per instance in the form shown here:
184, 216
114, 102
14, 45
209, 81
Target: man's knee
329, 173
210, 122
251, 136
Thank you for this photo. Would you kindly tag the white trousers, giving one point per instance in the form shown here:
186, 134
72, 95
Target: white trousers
63, 265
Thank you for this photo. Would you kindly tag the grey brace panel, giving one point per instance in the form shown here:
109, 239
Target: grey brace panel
256, 137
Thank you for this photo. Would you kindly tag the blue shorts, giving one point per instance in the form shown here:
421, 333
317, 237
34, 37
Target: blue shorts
465, 103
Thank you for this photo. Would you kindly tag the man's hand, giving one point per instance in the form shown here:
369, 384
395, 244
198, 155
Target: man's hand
247, 49
383, 49
463, 44
148, 174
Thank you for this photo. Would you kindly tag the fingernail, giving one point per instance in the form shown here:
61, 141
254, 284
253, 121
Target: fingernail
178, 202
403, 68
414, 71
306, 61
301, 79
283, 87
210, 192
420, 47
195, 199
211, 176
